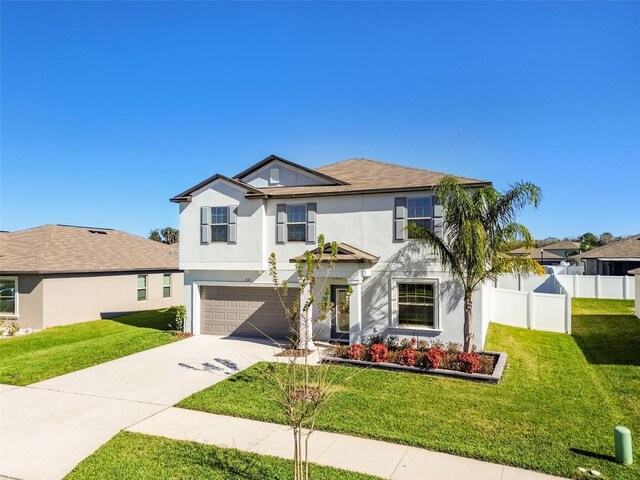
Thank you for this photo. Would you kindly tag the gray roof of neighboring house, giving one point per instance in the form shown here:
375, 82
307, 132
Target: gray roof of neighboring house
627, 248
350, 177
70, 249
563, 245
534, 253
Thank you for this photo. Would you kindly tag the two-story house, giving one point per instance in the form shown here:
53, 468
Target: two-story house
230, 226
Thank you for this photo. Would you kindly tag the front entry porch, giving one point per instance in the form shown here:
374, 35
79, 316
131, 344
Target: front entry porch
352, 267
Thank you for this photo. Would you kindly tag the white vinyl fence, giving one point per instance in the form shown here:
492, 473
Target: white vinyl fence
537, 311
598, 286
565, 269
579, 286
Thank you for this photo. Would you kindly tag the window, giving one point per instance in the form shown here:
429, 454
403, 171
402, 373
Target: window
142, 287
166, 285
219, 224
296, 223
419, 212
416, 304
8, 297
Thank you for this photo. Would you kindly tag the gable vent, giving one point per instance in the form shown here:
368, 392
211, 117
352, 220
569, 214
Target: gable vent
274, 176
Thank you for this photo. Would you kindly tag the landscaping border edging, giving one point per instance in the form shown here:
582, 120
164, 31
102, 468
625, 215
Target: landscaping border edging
495, 377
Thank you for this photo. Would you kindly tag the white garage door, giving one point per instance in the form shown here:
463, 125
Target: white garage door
246, 311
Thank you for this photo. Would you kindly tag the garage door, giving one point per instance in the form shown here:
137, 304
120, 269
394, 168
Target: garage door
247, 311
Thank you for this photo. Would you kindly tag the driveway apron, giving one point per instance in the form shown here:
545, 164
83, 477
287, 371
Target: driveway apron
48, 427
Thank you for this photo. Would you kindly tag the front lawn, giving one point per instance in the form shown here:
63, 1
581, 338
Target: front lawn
138, 457
59, 350
554, 410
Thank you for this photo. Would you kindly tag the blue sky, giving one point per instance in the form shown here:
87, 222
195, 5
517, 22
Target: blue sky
110, 108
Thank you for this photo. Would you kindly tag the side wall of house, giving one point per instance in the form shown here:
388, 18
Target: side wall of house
80, 298
30, 295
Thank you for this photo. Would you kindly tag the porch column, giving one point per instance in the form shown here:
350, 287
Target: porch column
355, 310
305, 328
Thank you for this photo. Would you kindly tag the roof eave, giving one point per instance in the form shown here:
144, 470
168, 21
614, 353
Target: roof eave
71, 272
368, 191
186, 195
340, 260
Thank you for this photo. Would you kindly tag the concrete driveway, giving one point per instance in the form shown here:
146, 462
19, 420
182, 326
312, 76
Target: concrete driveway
47, 428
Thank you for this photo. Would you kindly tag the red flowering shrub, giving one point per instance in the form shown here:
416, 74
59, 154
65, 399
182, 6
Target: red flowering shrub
433, 358
378, 352
357, 351
469, 362
408, 357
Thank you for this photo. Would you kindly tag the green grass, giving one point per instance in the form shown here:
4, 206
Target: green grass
554, 410
138, 457
59, 350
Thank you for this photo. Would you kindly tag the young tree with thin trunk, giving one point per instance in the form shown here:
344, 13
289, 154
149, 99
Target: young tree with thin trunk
304, 389
479, 227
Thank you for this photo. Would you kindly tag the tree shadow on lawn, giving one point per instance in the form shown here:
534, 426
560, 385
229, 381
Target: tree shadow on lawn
608, 339
163, 319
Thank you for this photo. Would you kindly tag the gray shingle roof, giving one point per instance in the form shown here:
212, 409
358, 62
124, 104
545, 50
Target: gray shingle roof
535, 254
68, 249
563, 245
362, 175
627, 248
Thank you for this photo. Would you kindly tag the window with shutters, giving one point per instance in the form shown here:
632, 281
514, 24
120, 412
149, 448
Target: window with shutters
296, 223
219, 224
420, 212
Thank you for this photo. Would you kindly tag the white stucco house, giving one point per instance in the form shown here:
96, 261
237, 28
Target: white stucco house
229, 226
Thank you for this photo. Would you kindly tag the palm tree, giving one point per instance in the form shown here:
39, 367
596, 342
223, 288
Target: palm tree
479, 225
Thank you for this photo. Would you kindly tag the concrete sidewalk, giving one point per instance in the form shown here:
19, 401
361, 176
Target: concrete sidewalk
387, 460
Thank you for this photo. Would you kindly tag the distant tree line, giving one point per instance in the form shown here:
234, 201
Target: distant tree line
587, 241
166, 235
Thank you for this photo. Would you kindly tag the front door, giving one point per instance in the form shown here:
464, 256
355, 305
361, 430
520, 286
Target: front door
340, 313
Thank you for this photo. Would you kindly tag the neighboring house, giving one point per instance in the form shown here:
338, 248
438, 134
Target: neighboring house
563, 248
230, 226
636, 272
552, 254
59, 274
540, 255
615, 258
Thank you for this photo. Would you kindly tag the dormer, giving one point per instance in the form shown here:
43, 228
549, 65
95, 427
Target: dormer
275, 171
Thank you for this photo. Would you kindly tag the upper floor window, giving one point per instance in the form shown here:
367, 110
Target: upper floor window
219, 224
8, 297
296, 223
419, 212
